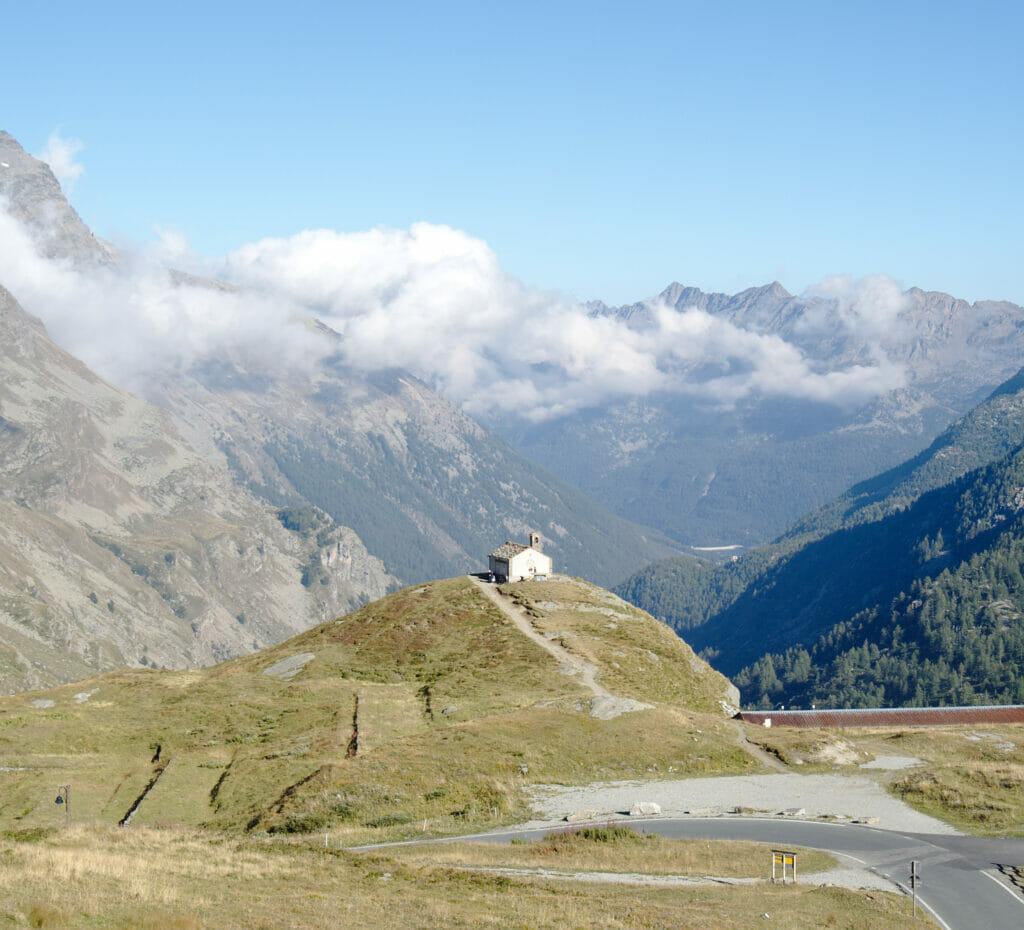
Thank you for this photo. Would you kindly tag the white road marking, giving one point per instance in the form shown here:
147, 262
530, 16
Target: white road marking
1002, 885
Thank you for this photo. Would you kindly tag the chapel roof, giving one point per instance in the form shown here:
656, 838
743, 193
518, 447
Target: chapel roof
508, 550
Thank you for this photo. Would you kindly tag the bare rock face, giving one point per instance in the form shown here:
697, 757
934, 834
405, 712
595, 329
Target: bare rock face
35, 198
427, 489
121, 545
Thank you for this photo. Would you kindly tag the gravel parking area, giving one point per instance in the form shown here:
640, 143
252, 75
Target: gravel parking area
842, 797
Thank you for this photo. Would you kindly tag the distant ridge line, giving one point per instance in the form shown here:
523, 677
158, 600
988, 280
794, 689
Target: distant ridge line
886, 716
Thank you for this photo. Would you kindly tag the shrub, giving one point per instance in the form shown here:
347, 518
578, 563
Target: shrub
304, 823
389, 820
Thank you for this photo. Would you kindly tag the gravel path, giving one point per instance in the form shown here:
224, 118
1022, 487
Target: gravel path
573, 664
892, 763
756, 752
846, 797
842, 876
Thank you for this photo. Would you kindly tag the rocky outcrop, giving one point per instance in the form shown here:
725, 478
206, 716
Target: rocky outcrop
33, 196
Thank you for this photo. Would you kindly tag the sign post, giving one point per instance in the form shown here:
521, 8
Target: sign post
64, 798
786, 860
913, 883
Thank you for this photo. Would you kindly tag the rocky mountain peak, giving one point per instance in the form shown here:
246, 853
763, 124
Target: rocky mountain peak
34, 197
773, 290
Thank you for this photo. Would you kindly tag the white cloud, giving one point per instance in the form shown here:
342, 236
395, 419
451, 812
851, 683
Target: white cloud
869, 307
59, 154
430, 299
135, 321
435, 300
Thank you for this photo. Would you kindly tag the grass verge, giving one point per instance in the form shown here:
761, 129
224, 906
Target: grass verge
616, 848
184, 879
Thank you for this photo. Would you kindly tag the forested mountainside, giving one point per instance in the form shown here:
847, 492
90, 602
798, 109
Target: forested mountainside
888, 547
954, 631
709, 469
686, 592
984, 434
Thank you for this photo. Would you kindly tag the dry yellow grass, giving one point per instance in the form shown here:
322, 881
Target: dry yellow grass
973, 776
637, 658
980, 797
184, 880
623, 852
458, 714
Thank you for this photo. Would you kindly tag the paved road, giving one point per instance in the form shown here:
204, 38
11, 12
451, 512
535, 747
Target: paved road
957, 875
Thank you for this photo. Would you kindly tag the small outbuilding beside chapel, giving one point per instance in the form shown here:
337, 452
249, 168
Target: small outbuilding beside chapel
516, 562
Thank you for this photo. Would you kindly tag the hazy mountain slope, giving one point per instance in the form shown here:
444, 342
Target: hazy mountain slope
686, 592
712, 473
121, 545
428, 705
427, 488
34, 197
983, 435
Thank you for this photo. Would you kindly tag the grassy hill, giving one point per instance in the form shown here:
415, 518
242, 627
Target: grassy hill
426, 711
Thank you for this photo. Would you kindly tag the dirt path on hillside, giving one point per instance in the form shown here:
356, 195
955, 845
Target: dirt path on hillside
756, 752
575, 665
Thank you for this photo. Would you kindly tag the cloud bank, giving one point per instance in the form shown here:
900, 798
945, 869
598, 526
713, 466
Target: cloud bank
435, 301
136, 321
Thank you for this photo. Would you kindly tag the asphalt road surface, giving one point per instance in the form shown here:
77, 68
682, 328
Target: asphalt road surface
958, 878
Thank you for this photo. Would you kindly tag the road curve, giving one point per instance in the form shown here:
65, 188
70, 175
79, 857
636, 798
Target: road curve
958, 879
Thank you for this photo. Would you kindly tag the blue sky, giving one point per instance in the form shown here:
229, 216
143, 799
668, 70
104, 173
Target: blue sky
602, 150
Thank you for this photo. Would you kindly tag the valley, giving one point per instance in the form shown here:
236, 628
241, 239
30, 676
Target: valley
243, 637
730, 456
903, 591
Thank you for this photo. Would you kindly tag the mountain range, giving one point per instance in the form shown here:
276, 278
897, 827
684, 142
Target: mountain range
224, 497
713, 470
121, 545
